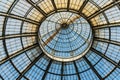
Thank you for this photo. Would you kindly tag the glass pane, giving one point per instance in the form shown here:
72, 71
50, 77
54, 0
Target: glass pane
115, 75
113, 52
61, 3
34, 73
89, 9
28, 41
13, 45
43, 62
1, 24
55, 67
76, 4
88, 75
102, 3
115, 33
21, 62
69, 68
5, 5
46, 6
104, 67
102, 33
8, 72
52, 77
82, 65
2, 51
70, 77
93, 57
21, 8
99, 20
35, 15
33, 53
100, 46
13, 26
112, 14
29, 28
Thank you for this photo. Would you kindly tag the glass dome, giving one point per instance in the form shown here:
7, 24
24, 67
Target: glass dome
59, 39
65, 36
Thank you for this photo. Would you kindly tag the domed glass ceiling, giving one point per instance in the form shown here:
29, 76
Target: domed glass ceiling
32, 29
65, 36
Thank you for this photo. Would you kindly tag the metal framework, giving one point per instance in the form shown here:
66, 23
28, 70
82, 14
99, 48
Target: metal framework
62, 70
101, 12
1, 77
38, 8
53, 2
105, 57
18, 35
76, 68
19, 18
43, 78
107, 41
92, 67
32, 63
3, 34
106, 26
81, 8
24, 49
68, 4
104, 8
18, 53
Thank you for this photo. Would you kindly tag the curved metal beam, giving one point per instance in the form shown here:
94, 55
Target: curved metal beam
62, 70
76, 68
92, 67
18, 35
30, 66
104, 8
68, 5
37, 7
25, 77
84, 4
46, 71
107, 26
1, 77
18, 53
19, 18
3, 33
106, 18
105, 57
109, 73
107, 41
54, 5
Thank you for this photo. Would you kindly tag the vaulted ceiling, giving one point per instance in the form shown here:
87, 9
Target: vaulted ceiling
59, 39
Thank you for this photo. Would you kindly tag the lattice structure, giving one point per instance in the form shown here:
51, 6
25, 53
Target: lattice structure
31, 29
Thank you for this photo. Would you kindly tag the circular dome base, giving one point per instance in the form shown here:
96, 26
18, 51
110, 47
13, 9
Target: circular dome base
65, 36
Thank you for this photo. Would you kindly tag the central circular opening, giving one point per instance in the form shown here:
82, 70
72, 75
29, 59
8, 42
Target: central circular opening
65, 36
64, 26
